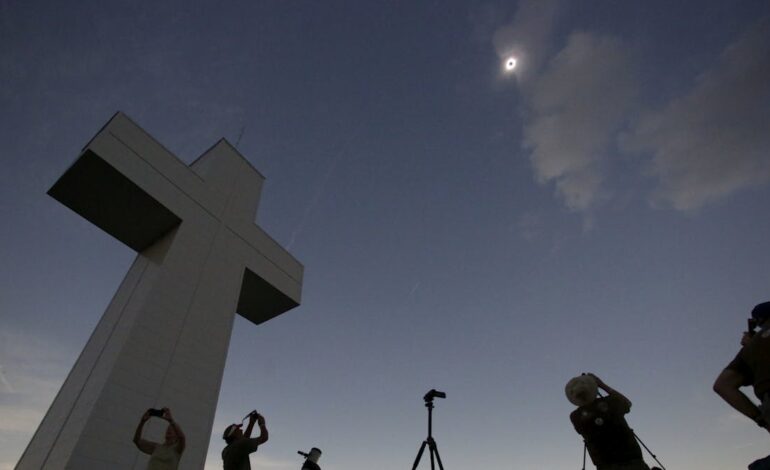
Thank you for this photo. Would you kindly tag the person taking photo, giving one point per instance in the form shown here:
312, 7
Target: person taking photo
165, 455
240, 444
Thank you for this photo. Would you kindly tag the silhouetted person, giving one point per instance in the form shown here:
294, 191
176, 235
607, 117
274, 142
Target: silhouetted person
163, 456
751, 367
600, 420
311, 460
235, 456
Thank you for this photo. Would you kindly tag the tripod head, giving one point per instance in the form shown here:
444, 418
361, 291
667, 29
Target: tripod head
433, 393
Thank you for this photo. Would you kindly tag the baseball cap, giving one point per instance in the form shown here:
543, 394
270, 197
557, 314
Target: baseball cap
761, 311
581, 390
230, 430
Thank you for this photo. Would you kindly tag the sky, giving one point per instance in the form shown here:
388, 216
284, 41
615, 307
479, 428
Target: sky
603, 208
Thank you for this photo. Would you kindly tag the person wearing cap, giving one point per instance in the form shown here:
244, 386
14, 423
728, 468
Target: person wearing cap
602, 424
235, 456
751, 366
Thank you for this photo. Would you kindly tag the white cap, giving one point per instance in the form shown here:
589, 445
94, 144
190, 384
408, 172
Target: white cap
581, 390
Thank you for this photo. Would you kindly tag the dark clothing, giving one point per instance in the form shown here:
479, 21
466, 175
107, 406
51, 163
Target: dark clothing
236, 455
761, 464
308, 465
753, 363
608, 438
634, 465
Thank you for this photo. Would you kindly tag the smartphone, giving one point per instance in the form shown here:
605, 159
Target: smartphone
155, 412
246, 418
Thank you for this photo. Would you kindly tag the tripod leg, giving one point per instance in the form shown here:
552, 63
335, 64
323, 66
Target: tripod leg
419, 455
432, 462
434, 450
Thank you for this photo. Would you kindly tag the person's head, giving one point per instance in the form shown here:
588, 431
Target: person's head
171, 435
761, 313
232, 433
581, 390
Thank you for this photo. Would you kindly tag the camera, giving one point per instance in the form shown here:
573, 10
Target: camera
753, 323
155, 412
433, 394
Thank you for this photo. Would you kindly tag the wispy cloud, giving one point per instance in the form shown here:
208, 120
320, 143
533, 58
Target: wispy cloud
578, 105
575, 101
6, 385
583, 113
529, 226
35, 368
714, 140
323, 181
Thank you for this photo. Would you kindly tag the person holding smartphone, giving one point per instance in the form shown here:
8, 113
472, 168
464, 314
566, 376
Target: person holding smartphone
235, 456
166, 455
751, 367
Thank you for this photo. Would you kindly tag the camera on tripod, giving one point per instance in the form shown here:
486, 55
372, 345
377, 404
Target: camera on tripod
433, 394
430, 443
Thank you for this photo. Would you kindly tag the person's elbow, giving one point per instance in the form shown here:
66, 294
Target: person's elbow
728, 381
722, 387
262, 438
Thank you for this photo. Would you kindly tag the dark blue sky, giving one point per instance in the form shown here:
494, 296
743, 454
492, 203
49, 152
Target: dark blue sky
603, 208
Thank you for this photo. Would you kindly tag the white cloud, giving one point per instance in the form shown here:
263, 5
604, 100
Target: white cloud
35, 368
6, 385
529, 226
578, 104
714, 140
701, 146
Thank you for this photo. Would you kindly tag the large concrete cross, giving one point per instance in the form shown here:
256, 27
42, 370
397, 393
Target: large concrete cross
164, 337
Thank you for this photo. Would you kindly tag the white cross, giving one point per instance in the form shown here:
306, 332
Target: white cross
164, 337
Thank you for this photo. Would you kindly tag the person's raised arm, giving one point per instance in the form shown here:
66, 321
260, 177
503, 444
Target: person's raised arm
263, 435
145, 446
611, 391
250, 427
181, 439
727, 385
250, 445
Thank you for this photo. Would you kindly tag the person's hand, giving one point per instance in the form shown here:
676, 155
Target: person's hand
260, 418
598, 381
167, 414
746, 337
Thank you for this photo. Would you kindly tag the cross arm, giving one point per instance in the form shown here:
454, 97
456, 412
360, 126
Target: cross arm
101, 194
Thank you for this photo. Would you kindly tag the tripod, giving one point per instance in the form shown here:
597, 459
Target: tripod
430, 442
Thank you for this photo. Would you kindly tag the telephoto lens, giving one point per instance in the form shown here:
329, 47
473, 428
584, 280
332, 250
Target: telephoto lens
433, 393
311, 460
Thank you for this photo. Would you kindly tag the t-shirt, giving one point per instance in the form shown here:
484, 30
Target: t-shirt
753, 363
164, 457
236, 455
608, 438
